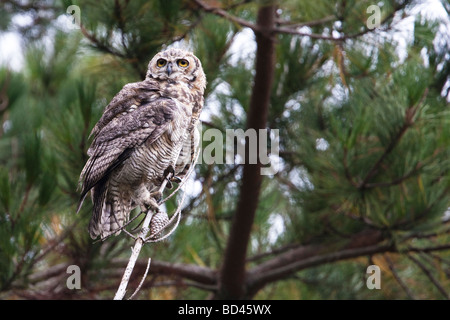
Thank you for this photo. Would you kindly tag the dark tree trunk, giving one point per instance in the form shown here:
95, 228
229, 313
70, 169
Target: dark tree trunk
232, 275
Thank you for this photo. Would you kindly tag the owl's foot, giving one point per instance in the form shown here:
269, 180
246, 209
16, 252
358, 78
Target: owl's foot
173, 179
157, 196
170, 172
176, 179
152, 201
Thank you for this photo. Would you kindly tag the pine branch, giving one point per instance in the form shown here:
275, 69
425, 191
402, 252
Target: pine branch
408, 122
430, 276
396, 181
273, 252
442, 247
293, 29
365, 30
52, 243
368, 237
226, 15
291, 24
98, 44
194, 273
286, 266
181, 283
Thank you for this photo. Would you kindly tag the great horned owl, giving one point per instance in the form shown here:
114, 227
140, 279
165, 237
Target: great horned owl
148, 128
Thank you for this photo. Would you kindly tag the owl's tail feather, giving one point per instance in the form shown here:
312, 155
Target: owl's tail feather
98, 194
109, 215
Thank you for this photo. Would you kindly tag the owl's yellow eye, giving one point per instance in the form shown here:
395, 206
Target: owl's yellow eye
183, 63
161, 63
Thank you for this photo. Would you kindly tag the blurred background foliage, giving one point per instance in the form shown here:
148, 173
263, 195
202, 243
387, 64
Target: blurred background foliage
364, 130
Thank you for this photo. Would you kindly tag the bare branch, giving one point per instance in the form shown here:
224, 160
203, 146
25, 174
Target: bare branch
273, 252
134, 255
441, 247
226, 15
142, 280
185, 283
192, 272
48, 273
291, 24
258, 280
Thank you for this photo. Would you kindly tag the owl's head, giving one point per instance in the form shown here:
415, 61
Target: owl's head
175, 65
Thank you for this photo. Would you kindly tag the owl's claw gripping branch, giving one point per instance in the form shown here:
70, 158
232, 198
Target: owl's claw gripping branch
152, 203
168, 174
172, 178
154, 200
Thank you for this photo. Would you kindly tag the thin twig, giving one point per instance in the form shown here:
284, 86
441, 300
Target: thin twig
226, 15
98, 44
398, 278
396, 181
312, 23
294, 29
142, 280
429, 275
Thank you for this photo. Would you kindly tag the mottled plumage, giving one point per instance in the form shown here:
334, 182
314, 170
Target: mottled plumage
149, 127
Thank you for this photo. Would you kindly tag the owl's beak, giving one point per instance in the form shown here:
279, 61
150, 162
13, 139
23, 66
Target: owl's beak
169, 69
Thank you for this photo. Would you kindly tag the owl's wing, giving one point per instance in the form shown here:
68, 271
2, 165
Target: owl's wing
119, 131
136, 93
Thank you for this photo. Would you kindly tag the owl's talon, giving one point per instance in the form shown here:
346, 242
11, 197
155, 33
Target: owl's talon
169, 175
170, 170
176, 179
152, 202
157, 196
